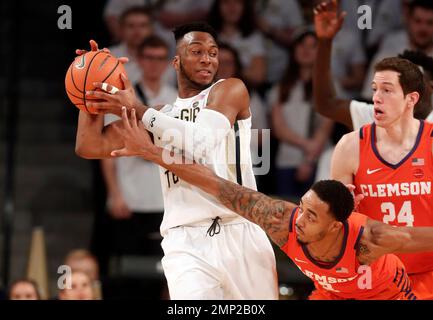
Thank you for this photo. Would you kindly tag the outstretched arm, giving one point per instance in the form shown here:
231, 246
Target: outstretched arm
401, 239
328, 22
272, 215
379, 239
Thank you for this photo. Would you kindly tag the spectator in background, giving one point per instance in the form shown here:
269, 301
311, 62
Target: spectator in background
153, 60
135, 201
349, 64
388, 16
349, 61
230, 67
302, 133
176, 12
352, 16
277, 19
235, 23
135, 25
418, 36
83, 261
172, 13
81, 288
24, 289
114, 9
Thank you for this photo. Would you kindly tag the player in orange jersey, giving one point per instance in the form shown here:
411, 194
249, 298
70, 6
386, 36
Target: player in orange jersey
391, 163
348, 256
328, 22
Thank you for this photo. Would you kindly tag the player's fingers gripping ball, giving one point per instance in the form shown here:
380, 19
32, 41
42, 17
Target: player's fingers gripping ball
91, 67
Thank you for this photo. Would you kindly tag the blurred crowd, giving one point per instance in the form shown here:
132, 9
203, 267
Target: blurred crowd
271, 45
81, 283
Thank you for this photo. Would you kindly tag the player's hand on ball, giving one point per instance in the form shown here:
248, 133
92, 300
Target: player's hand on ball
136, 139
113, 99
327, 20
94, 47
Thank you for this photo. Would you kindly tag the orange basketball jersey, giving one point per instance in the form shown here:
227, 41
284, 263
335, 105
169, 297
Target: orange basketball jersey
346, 278
401, 194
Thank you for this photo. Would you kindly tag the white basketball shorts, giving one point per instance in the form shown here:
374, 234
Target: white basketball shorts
236, 264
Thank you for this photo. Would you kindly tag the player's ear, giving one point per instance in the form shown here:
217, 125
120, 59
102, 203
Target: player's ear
413, 99
176, 62
336, 226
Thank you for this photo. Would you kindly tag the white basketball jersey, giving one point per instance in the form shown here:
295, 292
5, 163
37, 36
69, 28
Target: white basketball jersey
187, 205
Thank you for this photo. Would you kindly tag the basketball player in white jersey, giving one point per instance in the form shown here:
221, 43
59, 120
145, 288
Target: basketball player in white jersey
209, 251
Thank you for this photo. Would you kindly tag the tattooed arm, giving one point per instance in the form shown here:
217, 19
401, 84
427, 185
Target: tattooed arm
270, 214
380, 238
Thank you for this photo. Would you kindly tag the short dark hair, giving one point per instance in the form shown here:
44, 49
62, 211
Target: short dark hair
145, 11
424, 4
152, 41
419, 58
337, 196
198, 26
411, 78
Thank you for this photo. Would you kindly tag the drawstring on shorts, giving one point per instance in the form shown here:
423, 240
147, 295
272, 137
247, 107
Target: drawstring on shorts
214, 228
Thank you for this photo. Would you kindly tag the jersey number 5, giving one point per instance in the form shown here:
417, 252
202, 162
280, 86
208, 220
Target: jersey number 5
404, 216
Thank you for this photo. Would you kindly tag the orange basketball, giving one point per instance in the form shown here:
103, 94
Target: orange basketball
94, 66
